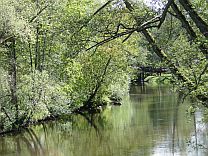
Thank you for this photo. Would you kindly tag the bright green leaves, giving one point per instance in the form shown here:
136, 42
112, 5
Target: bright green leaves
40, 96
96, 73
12, 22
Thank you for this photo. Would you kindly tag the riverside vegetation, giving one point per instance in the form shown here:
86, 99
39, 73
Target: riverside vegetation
64, 56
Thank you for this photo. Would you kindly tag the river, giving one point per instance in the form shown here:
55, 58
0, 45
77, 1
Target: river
150, 122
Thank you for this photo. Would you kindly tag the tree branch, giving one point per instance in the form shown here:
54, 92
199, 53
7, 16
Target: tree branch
112, 38
39, 12
95, 13
98, 85
202, 73
163, 16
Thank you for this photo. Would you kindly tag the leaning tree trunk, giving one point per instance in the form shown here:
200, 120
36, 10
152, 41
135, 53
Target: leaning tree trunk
200, 23
185, 23
190, 31
174, 69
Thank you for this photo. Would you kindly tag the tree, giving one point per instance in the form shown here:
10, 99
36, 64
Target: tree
156, 21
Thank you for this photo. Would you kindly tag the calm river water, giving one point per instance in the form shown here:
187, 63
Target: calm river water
150, 122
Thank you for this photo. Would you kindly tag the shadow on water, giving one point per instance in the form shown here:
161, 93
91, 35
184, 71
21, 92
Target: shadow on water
90, 118
151, 121
15, 145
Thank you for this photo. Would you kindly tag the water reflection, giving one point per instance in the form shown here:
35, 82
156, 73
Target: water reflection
150, 122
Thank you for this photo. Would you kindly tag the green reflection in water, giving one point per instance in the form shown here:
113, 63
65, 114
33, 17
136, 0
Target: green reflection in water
150, 122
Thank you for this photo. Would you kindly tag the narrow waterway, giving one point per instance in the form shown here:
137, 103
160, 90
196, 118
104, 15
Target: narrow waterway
151, 122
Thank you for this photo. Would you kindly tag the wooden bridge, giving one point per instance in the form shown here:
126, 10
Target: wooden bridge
145, 71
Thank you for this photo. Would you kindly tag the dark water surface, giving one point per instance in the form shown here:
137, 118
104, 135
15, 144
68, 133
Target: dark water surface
149, 123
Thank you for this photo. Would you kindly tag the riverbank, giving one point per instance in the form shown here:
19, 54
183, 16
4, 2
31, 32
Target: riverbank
114, 101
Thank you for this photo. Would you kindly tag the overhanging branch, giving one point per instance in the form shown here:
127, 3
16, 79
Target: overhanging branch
163, 16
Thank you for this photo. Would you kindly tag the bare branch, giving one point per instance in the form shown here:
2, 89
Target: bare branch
7, 115
112, 38
162, 18
127, 37
39, 12
6, 39
129, 33
95, 13
151, 21
121, 25
102, 7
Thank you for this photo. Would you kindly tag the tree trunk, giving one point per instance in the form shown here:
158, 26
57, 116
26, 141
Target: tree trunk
37, 50
200, 23
184, 22
188, 28
43, 52
99, 83
174, 69
13, 77
31, 58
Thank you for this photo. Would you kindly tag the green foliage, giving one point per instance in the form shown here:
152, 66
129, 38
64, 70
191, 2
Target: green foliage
48, 66
12, 21
105, 70
156, 80
54, 73
40, 96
